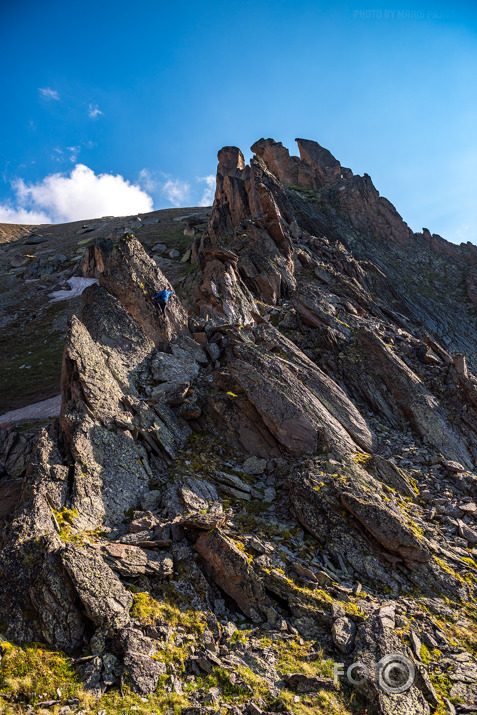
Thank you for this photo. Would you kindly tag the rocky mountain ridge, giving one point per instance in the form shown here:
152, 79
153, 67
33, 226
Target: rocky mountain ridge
277, 476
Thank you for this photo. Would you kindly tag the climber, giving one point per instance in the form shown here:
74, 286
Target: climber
162, 299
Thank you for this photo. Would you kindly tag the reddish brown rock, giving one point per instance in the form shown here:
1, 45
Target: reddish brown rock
222, 291
200, 338
288, 169
316, 166
368, 212
332, 397
204, 522
229, 567
332, 265
251, 217
322, 163
302, 408
439, 244
356, 196
231, 203
243, 423
292, 413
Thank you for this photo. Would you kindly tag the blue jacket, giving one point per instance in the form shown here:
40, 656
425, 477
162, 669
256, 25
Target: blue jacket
163, 295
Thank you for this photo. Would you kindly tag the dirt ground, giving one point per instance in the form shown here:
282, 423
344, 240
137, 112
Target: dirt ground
38, 411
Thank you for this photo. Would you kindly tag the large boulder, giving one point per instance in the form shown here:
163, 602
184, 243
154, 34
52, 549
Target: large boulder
106, 600
229, 567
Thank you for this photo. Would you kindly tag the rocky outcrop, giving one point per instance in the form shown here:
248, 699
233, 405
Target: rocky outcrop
322, 162
349, 209
301, 407
368, 212
387, 526
288, 169
133, 561
369, 521
243, 422
325, 389
90, 471
356, 196
411, 397
124, 268
102, 594
234, 501
230, 569
471, 285
222, 296
33, 578
315, 168
251, 216
386, 689
391, 475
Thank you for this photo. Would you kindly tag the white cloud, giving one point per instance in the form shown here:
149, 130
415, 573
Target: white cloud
48, 93
176, 191
9, 215
208, 195
94, 111
146, 180
74, 151
82, 194
61, 154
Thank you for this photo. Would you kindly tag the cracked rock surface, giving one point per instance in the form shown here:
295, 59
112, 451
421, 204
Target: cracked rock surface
270, 482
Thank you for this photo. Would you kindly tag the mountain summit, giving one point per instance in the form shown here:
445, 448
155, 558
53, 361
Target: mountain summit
267, 482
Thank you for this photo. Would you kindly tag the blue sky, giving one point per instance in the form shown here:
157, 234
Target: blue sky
118, 107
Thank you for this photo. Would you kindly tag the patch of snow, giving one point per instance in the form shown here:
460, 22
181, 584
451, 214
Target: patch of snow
77, 287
